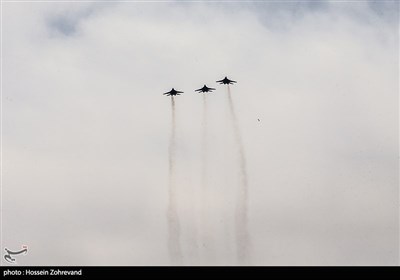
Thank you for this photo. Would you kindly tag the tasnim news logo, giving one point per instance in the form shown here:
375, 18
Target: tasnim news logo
8, 256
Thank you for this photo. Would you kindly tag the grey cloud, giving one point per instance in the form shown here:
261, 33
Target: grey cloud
85, 137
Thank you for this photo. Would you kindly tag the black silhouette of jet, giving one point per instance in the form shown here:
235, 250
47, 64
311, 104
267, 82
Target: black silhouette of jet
205, 89
173, 92
226, 81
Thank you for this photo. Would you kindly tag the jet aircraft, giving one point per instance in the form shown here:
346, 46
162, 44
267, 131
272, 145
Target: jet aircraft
205, 89
226, 81
173, 92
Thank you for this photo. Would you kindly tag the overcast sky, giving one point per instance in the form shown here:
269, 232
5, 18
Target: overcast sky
86, 129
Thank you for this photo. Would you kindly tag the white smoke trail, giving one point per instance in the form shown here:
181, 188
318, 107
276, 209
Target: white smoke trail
241, 219
174, 246
206, 241
193, 220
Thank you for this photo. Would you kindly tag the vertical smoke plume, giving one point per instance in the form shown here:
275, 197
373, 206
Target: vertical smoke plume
174, 246
242, 236
205, 229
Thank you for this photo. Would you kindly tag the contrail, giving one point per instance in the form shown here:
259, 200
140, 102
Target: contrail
172, 215
242, 236
204, 212
204, 160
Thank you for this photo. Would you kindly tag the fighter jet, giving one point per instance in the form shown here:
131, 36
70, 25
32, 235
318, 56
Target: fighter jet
172, 92
205, 89
226, 81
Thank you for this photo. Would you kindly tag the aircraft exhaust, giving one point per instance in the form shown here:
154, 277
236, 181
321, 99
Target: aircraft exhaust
206, 232
174, 246
241, 211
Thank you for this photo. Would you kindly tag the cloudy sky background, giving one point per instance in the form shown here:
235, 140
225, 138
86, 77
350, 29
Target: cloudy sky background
86, 129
